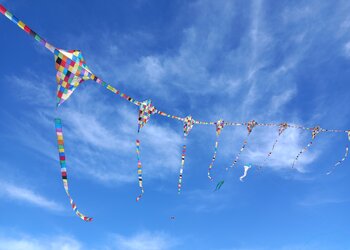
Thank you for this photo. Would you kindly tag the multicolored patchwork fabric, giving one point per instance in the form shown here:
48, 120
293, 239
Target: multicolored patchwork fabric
139, 170
145, 112
315, 131
219, 126
188, 125
62, 158
251, 125
71, 72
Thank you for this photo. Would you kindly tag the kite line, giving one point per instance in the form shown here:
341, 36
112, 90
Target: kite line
72, 70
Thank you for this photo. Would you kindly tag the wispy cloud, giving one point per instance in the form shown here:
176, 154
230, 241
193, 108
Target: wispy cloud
145, 241
27, 195
25, 242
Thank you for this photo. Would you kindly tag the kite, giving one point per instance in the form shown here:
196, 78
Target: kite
187, 127
246, 168
72, 71
219, 126
62, 159
250, 126
218, 186
314, 132
145, 112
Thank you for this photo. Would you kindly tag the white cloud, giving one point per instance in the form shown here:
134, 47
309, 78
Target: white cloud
42, 243
145, 241
27, 195
347, 49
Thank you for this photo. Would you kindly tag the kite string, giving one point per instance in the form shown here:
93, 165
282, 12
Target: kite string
139, 169
62, 159
52, 48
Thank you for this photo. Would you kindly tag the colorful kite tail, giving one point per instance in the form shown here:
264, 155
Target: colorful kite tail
182, 168
240, 152
62, 158
340, 161
213, 159
139, 169
301, 152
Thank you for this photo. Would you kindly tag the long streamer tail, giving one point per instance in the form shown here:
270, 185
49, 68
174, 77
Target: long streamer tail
213, 159
62, 158
301, 152
179, 185
139, 170
240, 152
340, 161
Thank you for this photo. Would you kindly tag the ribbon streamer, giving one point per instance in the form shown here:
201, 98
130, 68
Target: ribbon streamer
219, 126
139, 170
250, 127
315, 131
187, 127
62, 158
246, 168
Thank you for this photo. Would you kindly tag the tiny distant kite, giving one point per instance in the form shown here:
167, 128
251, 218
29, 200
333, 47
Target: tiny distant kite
219, 185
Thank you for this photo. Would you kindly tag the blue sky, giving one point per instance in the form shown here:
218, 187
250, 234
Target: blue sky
272, 61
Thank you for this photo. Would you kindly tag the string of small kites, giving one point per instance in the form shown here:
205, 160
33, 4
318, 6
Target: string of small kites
72, 71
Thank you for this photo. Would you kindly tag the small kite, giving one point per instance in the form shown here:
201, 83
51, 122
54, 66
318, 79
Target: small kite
219, 185
250, 127
314, 132
187, 127
219, 126
145, 111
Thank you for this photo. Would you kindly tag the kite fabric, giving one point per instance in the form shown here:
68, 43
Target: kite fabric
145, 112
250, 126
219, 126
246, 168
62, 159
139, 170
187, 127
219, 185
71, 72
314, 132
